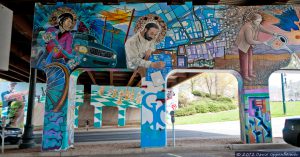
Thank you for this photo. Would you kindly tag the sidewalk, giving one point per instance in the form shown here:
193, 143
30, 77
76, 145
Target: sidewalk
133, 147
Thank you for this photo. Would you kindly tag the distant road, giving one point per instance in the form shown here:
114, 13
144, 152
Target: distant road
115, 135
207, 130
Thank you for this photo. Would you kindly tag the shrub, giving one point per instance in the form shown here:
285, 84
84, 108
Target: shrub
224, 99
197, 93
223, 107
213, 107
201, 108
185, 111
231, 106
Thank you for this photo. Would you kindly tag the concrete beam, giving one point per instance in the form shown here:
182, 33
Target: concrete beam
23, 26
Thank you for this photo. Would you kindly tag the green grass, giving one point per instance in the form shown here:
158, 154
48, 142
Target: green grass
293, 109
223, 116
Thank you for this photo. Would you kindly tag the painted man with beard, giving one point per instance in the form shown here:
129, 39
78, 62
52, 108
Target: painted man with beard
139, 47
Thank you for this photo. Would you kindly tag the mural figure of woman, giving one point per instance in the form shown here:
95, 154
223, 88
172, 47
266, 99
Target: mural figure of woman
246, 39
59, 38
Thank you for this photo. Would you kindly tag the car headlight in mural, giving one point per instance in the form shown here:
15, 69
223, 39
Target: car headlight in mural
81, 49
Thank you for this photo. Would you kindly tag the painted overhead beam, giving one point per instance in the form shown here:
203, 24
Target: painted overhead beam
13, 76
19, 53
111, 77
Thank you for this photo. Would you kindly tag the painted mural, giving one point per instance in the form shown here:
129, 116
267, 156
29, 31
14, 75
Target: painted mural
14, 99
120, 97
153, 39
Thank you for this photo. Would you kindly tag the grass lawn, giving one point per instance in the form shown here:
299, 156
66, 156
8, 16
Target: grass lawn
292, 109
223, 116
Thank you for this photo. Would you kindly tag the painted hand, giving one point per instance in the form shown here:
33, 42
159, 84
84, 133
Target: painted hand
275, 34
47, 37
158, 65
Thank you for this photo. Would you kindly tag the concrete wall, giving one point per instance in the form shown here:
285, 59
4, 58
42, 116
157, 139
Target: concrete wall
86, 112
133, 116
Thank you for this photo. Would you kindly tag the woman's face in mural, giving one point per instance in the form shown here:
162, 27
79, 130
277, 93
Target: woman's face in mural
67, 24
256, 22
151, 34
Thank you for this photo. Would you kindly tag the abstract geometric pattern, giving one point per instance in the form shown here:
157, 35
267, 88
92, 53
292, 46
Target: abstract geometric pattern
98, 117
121, 116
153, 127
79, 102
257, 116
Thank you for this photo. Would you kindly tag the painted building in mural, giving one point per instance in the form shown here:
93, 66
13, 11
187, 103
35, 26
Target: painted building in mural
154, 39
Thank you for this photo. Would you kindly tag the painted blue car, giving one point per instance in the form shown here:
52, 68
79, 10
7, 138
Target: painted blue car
94, 54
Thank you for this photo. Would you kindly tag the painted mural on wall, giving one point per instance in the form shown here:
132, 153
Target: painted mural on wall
14, 100
14, 97
255, 41
120, 97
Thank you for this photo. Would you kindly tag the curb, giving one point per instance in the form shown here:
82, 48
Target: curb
259, 146
227, 147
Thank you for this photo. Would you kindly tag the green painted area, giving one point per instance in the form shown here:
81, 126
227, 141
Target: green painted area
122, 112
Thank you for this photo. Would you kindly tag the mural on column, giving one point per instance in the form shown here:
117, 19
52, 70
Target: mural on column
121, 97
79, 102
258, 122
14, 99
157, 38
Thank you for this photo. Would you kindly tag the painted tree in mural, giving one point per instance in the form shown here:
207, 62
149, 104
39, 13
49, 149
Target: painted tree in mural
71, 36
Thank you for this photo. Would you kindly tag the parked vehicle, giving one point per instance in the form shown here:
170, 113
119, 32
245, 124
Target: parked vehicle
291, 131
12, 135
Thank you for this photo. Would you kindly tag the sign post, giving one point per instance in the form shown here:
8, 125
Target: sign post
172, 113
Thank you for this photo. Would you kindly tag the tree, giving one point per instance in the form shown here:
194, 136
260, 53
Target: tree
193, 82
208, 82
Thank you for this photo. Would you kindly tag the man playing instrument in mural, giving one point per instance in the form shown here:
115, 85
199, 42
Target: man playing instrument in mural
246, 39
140, 46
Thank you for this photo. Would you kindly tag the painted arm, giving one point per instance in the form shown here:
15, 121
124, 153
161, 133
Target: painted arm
263, 29
133, 57
249, 37
68, 51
